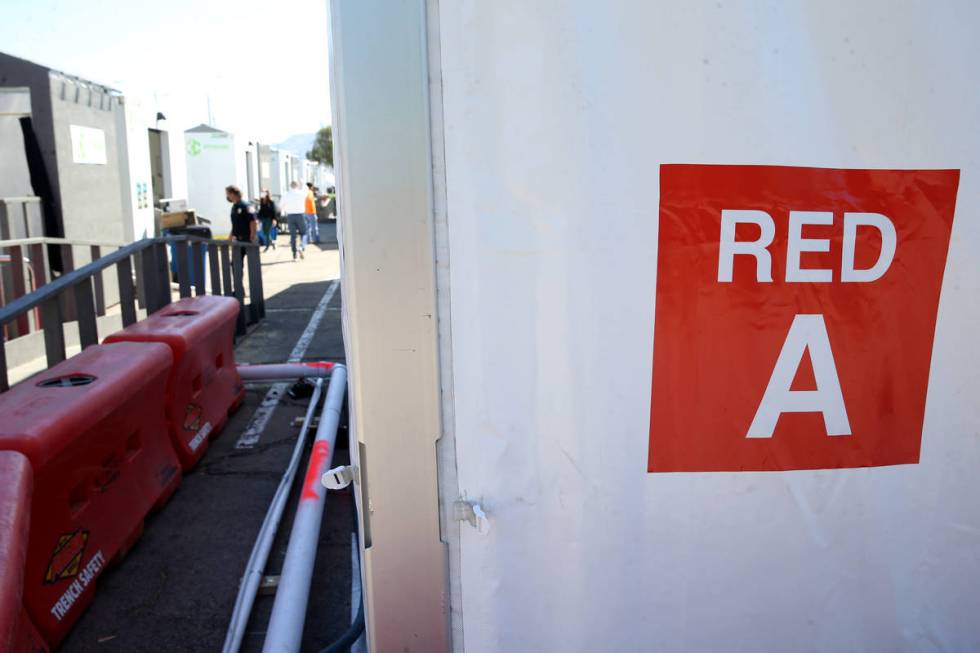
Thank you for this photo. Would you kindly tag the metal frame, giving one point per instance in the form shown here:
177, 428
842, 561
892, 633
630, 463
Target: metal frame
285, 631
6, 215
259, 557
380, 99
78, 295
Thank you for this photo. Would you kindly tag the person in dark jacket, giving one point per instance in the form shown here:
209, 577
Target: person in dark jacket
268, 219
243, 227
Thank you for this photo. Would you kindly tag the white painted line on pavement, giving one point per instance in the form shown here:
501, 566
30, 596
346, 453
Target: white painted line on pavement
295, 309
253, 432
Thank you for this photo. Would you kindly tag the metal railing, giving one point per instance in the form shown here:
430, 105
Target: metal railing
143, 272
25, 267
20, 217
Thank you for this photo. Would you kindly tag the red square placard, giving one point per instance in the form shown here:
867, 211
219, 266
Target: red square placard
795, 315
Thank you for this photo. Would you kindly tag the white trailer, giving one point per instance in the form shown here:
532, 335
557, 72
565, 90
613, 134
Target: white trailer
660, 321
271, 171
249, 170
213, 162
156, 162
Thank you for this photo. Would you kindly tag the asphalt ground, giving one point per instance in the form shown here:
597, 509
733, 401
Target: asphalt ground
175, 589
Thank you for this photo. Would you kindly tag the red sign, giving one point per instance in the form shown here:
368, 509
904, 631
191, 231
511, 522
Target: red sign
795, 315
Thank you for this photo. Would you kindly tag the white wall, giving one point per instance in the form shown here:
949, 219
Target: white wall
557, 118
140, 116
380, 111
178, 157
295, 168
138, 204
212, 164
243, 148
280, 179
323, 176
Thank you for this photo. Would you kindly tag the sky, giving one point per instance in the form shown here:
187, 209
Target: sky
262, 62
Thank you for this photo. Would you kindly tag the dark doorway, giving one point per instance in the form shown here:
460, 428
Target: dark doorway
157, 178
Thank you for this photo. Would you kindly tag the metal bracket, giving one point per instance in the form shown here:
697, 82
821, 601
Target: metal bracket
339, 477
268, 585
298, 422
472, 513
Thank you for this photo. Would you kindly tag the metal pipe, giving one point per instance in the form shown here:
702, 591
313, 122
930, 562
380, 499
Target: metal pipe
278, 371
267, 534
289, 610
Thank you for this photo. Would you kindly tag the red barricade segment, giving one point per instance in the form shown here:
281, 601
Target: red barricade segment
94, 430
204, 384
28, 639
16, 487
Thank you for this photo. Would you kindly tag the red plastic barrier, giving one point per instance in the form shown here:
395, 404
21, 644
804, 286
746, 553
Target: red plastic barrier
17, 633
204, 384
94, 430
28, 639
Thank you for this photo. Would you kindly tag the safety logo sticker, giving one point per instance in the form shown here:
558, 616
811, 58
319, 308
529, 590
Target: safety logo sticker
66, 560
86, 577
192, 417
199, 438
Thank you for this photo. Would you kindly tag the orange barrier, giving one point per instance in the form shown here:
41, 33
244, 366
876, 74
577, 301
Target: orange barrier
204, 385
94, 430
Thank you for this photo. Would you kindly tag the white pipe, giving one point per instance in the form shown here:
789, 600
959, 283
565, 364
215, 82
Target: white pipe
267, 534
278, 371
285, 631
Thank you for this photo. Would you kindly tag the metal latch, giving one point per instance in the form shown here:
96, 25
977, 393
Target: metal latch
339, 477
472, 513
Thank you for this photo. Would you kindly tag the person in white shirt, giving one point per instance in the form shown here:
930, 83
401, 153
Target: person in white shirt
293, 206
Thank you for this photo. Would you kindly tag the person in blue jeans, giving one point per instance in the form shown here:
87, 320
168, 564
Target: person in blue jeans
309, 210
293, 206
268, 218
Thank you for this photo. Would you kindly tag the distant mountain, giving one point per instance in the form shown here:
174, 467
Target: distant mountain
298, 144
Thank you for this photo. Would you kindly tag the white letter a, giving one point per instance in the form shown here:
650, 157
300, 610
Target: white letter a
806, 332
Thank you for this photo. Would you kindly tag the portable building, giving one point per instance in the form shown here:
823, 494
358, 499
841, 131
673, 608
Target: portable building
269, 171
20, 208
276, 166
323, 176
248, 154
156, 163
296, 169
660, 319
74, 144
15, 179
213, 162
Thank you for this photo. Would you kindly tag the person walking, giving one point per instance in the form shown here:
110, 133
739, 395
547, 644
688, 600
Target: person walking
309, 210
243, 226
267, 219
294, 208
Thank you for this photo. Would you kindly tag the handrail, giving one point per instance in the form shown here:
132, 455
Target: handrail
48, 240
20, 200
77, 295
23, 304
49, 290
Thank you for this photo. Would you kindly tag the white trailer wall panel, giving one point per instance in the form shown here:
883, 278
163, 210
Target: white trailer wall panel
138, 188
556, 121
176, 158
213, 162
558, 116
